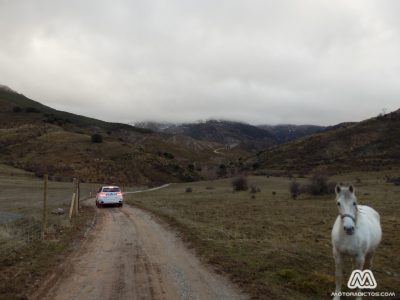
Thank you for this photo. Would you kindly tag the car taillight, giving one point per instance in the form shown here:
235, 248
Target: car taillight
119, 194
102, 195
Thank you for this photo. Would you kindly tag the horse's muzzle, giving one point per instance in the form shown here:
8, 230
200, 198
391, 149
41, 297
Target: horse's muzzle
349, 230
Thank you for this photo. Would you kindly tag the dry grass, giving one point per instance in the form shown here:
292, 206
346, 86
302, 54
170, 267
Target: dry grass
24, 257
22, 269
22, 193
273, 246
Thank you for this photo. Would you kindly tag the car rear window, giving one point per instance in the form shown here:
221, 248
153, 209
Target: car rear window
111, 189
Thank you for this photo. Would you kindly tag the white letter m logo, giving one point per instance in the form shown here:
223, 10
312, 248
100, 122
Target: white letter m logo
362, 280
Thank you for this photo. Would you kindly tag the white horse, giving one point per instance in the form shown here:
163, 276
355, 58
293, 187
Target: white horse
356, 232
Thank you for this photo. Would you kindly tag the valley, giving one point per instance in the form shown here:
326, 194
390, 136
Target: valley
253, 243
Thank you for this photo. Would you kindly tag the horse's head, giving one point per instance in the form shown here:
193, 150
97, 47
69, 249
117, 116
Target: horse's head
346, 202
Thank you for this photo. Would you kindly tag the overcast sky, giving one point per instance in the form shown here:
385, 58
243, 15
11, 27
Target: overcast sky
301, 62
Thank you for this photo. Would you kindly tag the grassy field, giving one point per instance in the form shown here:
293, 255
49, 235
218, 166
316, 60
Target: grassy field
22, 193
24, 256
21, 207
272, 246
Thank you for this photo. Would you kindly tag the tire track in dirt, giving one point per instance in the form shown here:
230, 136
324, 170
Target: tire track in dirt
129, 255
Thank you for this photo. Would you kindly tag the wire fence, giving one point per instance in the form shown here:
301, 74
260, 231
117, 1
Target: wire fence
32, 209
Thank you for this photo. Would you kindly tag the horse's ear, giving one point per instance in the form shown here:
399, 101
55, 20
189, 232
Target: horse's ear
352, 189
337, 189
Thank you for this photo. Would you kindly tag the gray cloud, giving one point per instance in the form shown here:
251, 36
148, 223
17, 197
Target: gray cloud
320, 61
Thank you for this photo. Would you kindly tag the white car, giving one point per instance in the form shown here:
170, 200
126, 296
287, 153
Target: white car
109, 195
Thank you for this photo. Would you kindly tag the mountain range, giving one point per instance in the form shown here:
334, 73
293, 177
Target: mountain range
41, 139
235, 134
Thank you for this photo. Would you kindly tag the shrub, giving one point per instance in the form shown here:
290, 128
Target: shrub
240, 183
319, 184
189, 190
331, 187
32, 110
53, 119
17, 109
39, 172
222, 171
168, 155
97, 138
294, 189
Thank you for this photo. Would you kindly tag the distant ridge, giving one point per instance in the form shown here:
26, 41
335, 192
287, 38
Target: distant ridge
242, 131
369, 145
229, 133
287, 132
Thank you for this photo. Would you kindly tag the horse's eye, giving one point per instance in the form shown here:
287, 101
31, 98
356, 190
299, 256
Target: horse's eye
338, 203
354, 203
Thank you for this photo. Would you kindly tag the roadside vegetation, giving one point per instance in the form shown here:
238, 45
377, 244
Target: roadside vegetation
26, 258
269, 244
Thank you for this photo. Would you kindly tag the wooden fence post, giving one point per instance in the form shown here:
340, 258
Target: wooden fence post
45, 185
71, 209
73, 200
77, 196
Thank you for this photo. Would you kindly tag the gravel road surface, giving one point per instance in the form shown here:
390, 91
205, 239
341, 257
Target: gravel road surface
130, 255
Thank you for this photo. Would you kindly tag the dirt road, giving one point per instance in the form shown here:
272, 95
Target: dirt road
149, 190
129, 255
218, 151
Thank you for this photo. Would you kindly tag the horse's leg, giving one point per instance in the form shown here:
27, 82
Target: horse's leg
368, 261
338, 272
359, 261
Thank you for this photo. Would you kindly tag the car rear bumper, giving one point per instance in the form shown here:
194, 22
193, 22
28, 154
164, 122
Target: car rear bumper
110, 201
